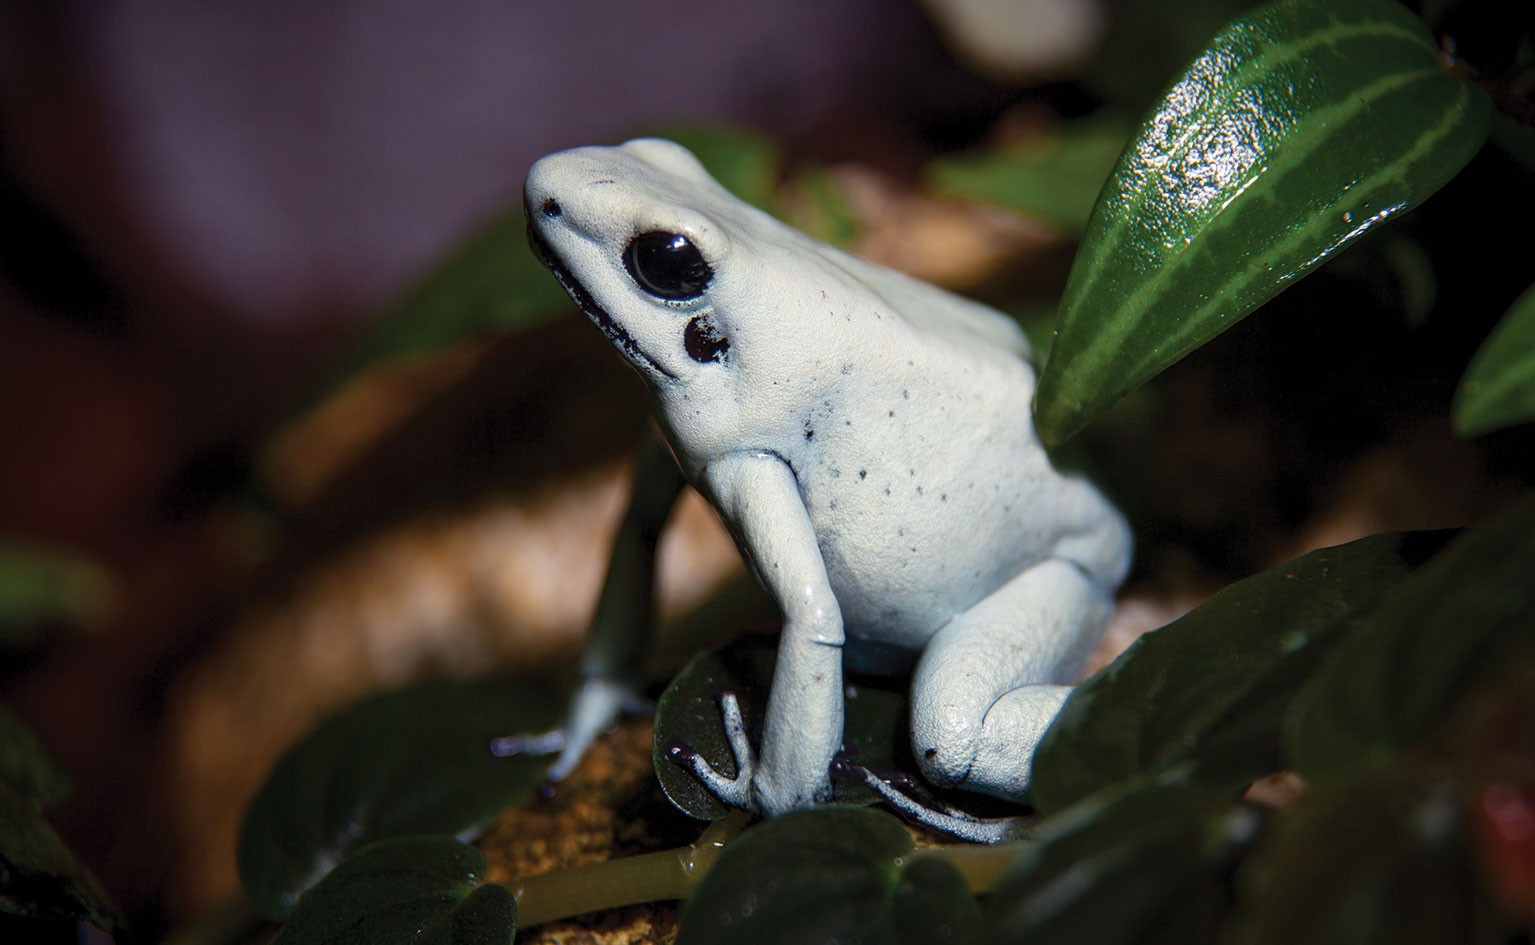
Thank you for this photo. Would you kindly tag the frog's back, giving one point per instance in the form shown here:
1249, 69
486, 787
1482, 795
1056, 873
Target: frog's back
941, 315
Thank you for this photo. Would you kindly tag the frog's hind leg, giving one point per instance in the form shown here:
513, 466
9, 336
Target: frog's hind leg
993, 679
906, 795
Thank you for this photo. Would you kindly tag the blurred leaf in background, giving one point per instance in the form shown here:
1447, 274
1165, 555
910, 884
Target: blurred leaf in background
39, 586
1054, 178
1499, 387
493, 283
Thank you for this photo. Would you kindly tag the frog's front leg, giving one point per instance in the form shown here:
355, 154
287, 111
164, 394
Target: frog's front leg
758, 497
992, 679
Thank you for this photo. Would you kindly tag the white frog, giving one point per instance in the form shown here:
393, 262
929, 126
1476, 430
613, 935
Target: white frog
866, 438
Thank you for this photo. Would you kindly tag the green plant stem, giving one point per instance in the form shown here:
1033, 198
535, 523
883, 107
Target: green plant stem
650, 877
673, 874
981, 866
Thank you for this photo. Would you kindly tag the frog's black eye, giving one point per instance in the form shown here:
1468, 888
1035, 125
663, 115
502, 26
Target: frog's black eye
667, 265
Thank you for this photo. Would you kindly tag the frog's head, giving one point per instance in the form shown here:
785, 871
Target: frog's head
656, 253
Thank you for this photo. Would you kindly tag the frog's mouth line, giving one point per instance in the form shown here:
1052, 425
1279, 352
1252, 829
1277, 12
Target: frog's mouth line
586, 303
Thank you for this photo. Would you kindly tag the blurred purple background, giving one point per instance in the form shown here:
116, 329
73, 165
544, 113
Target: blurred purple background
199, 200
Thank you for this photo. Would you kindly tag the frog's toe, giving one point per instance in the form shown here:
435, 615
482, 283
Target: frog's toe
920, 807
534, 743
735, 729
736, 792
733, 792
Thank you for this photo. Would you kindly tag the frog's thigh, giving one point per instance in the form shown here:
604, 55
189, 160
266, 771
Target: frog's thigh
990, 682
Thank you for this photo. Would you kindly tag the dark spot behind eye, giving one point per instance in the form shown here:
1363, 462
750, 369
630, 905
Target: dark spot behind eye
551, 208
704, 341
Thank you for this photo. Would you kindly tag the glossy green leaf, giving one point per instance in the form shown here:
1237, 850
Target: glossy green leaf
1499, 387
1130, 865
1428, 644
415, 890
828, 874
27, 766
875, 727
39, 877
416, 761
1380, 858
1203, 698
1055, 178
38, 585
1304, 125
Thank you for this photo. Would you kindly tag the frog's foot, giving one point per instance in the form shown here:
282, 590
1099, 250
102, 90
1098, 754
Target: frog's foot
532, 743
734, 792
906, 795
596, 706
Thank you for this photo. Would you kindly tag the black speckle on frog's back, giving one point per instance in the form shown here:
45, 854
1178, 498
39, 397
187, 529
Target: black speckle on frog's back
917, 485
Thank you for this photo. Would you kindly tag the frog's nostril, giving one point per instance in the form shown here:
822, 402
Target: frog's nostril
551, 208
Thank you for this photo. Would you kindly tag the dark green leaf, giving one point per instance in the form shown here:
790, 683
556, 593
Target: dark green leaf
1203, 697
688, 713
28, 767
1499, 387
1131, 864
417, 890
1304, 125
933, 905
1431, 641
823, 875
1055, 178
38, 585
411, 762
1513, 138
39, 877
1379, 858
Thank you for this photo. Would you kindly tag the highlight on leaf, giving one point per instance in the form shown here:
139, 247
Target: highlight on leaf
1303, 126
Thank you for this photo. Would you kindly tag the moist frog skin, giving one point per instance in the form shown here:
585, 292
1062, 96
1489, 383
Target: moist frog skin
866, 438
